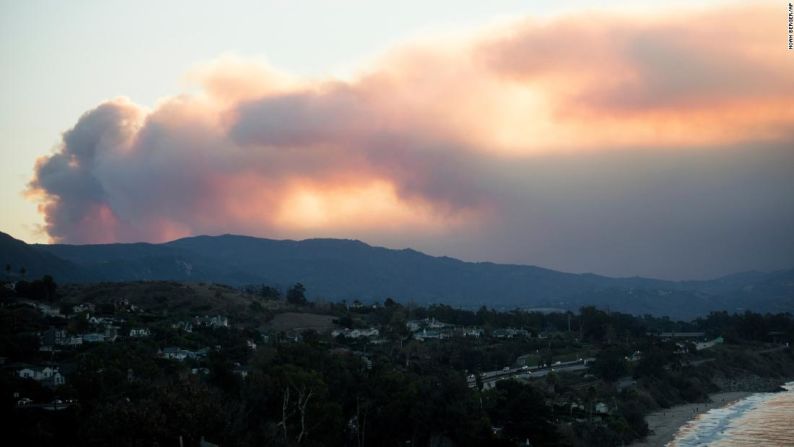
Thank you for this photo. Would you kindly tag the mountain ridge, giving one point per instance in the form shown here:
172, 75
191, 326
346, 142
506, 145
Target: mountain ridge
339, 269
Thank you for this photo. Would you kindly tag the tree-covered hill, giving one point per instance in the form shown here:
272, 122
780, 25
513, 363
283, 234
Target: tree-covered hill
347, 269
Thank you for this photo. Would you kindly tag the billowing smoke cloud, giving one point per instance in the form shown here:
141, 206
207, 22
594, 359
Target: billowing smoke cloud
623, 145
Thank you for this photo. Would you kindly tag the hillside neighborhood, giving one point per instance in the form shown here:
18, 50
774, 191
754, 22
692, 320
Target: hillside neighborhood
586, 370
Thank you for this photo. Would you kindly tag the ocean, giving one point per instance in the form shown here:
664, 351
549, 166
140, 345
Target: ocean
763, 419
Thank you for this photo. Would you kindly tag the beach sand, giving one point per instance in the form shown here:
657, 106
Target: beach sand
664, 424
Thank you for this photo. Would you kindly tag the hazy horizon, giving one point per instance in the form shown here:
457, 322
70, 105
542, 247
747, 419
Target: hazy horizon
653, 140
437, 255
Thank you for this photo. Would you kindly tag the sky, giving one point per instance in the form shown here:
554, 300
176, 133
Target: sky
653, 139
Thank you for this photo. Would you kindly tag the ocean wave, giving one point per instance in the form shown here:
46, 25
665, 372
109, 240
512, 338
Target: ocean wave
763, 419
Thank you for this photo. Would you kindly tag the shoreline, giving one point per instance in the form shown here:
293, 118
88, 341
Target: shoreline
664, 424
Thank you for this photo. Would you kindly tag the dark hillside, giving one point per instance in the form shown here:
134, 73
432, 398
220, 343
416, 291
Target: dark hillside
348, 269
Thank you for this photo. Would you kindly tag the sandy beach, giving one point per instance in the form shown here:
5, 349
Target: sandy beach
664, 424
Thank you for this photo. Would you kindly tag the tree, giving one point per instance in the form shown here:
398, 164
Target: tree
345, 321
40, 289
653, 362
396, 328
297, 295
522, 412
610, 364
66, 309
269, 293
304, 410
635, 419
310, 337
49, 287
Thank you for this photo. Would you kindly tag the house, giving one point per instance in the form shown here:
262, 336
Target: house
183, 326
94, 337
213, 322
140, 332
501, 333
292, 336
430, 335
54, 337
84, 307
241, 371
601, 408
413, 325
510, 333
123, 304
432, 323
265, 334
356, 305
175, 353
46, 309
94, 319
679, 334
49, 376
473, 332
365, 333
356, 333
74, 340
427, 323
708, 344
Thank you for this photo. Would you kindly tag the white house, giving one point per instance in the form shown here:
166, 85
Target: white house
428, 323
473, 332
94, 337
510, 333
181, 355
432, 334
49, 376
74, 340
356, 333
708, 344
601, 408
174, 353
140, 332
214, 322
84, 307
183, 326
